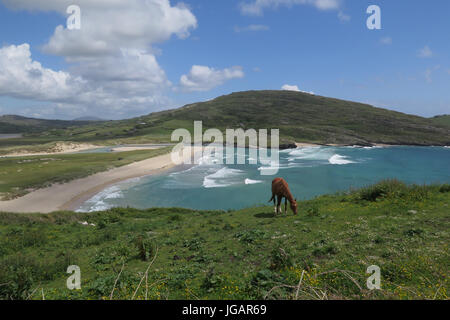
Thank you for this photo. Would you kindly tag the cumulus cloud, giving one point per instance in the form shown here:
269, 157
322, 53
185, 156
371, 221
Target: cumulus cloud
204, 78
252, 27
112, 62
257, 7
108, 25
132, 87
289, 87
425, 52
21, 77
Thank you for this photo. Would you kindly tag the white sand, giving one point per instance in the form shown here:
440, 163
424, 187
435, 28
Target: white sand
69, 196
59, 148
122, 149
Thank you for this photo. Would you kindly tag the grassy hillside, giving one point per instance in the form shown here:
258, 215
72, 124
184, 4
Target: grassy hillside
300, 117
18, 124
20, 175
245, 254
442, 120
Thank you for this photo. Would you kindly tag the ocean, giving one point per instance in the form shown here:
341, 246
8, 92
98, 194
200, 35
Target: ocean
310, 172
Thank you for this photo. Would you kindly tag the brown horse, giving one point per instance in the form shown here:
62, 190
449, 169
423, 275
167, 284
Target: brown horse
280, 189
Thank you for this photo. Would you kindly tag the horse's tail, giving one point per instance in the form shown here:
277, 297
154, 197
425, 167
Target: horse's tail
273, 196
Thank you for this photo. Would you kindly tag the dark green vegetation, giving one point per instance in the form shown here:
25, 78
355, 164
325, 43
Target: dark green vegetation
20, 175
18, 124
300, 117
442, 120
245, 254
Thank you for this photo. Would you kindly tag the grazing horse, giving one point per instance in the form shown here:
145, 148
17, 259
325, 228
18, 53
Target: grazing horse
280, 189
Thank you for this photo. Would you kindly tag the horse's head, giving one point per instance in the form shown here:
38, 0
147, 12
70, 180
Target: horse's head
294, 206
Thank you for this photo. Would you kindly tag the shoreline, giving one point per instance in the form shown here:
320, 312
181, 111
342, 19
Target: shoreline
69, 196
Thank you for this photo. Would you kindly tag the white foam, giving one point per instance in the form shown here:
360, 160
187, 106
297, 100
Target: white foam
374, 147
338, 159
97, 203
250, 181
310, 153
222, 178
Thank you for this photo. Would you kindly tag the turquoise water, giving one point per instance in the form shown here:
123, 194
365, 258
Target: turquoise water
309, 172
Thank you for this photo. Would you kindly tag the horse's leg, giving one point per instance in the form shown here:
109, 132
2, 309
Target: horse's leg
279, 198
285, 205
274, 204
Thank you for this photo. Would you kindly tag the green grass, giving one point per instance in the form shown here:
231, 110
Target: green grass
442, 120
19, 175
244, 254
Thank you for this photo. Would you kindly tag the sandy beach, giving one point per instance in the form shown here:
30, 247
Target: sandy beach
69, 196
133, 148
59, 148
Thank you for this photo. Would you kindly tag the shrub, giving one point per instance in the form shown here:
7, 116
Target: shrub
251, 235
194, 244
111, 257
312, 211
145, 246
384, 189
281, 259
212, 281
326, 250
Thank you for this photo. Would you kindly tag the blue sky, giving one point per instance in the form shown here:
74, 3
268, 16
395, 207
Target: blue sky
170, 54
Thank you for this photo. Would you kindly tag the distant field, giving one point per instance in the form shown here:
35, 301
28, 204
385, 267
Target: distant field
245, 254
10, 136
19, 175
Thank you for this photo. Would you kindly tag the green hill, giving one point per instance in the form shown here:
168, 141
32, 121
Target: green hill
442, 120
19, 124
301, 117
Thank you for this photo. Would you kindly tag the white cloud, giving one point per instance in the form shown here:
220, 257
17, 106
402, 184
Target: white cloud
21, 77
101, 85
386, 40
252, 27
110, 25
425, 52
112, 62
289, 87
203, 78
257, 7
